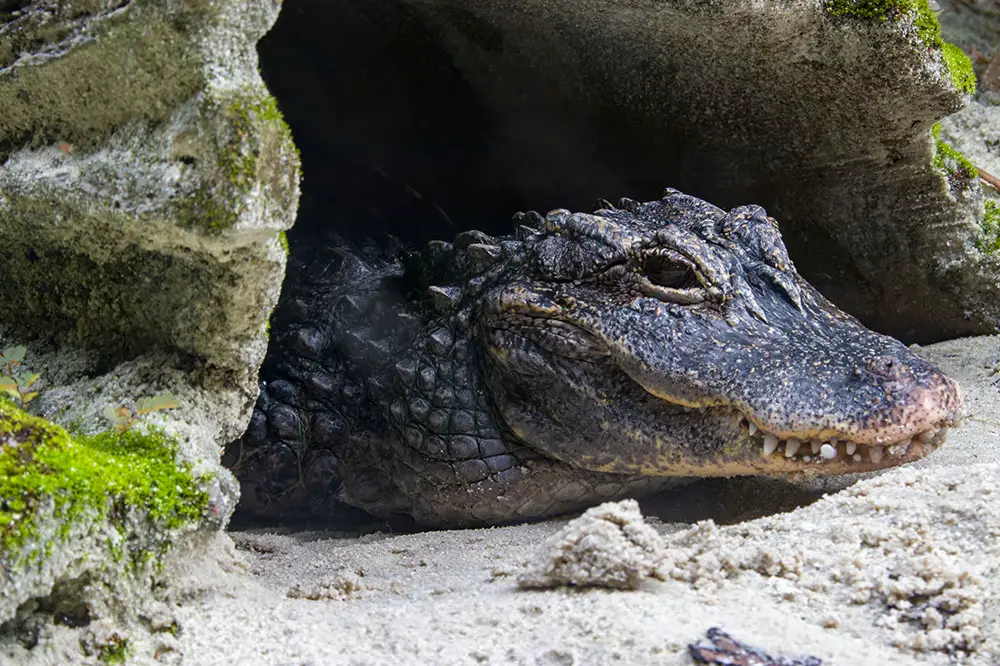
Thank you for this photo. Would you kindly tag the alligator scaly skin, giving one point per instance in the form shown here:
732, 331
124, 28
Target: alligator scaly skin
587, 357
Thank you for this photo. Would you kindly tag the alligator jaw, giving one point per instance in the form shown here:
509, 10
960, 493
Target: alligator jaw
794, 455
754, 451
921, 428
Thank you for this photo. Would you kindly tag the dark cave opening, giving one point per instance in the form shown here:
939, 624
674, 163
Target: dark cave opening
389, 144
424, 118
395, 139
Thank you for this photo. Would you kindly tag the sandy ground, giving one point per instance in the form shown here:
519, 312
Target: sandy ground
900, 568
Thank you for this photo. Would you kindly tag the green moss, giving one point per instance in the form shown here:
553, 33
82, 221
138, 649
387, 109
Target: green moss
960, 68
106, 476
283, 241
257, 148
255, 110
115, 651
208, 209
949, 161
989, 236
928, 26
928, 29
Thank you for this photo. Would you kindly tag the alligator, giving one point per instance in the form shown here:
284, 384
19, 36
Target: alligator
585, 357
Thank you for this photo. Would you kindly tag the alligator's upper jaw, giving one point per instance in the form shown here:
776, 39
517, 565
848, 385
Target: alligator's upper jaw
916, 431
920, 413
823, 396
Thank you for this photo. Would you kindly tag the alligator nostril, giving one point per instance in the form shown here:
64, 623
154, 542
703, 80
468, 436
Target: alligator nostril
887, 366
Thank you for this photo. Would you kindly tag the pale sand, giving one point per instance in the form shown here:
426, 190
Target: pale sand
886, 563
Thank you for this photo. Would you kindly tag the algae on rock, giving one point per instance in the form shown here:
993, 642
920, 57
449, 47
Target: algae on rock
927, 26
145, 172
989, 239
111, 503
960, 172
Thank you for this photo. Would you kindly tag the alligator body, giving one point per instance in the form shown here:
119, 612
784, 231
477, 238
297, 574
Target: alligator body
587, 357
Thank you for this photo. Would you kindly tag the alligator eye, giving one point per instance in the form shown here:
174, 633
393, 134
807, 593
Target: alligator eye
670, 277
666, 271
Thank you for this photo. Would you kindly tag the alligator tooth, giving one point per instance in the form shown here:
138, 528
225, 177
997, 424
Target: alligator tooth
808, 459
770, 444
942, 433
927, 435
875, 453
828, 451
752, 427
792, 447
851, 448
856, 457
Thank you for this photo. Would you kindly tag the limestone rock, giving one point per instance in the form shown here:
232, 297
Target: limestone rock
608, 546
146, 179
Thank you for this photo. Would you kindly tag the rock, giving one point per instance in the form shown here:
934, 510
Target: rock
819, 111
973, 130
147, 179
610, 545
87, 521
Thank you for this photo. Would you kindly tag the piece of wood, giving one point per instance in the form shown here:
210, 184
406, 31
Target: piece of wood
989, 179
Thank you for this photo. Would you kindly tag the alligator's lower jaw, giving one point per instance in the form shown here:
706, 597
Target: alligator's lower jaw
794, 459
758, 453
862, 459
813, 457
834, 450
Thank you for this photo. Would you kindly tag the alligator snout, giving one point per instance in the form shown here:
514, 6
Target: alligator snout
914, 404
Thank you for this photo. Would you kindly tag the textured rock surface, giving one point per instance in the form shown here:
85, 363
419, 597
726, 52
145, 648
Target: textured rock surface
608, 546
975, 130
146, 177
822, 117
85, 522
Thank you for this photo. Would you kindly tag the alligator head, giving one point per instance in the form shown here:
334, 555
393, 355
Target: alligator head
673, 338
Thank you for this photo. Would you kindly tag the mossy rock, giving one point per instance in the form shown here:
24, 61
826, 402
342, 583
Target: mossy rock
111, 502
928, 30
145, 174
989, 238
961, 173
146, 169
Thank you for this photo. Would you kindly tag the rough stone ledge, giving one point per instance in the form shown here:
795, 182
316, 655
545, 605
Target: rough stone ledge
146, 180
820, 110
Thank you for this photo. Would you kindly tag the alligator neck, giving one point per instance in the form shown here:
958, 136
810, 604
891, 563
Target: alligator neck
410, 377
